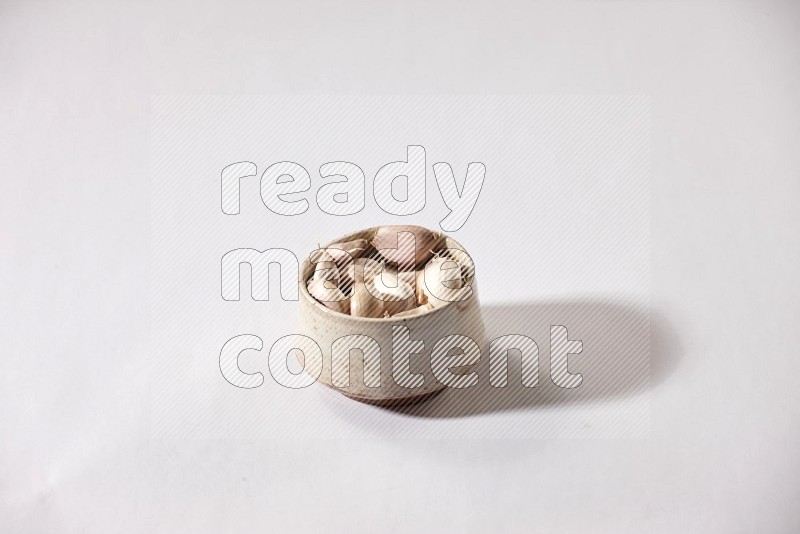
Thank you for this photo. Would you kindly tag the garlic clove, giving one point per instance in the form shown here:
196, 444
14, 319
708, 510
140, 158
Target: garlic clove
354, 248
464, 260
364, 304
390, 276
422, 298
443, 282
321, 254
326, 270
355, 244
446, 271
408, 276
342, 253
331, 297
396, 299
406, 246
358, 272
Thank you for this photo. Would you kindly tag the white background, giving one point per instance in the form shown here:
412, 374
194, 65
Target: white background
77, 451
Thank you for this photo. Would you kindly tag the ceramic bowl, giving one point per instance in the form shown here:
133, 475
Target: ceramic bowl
326, 326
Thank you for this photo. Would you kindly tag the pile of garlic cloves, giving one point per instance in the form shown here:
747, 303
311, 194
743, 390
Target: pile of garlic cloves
399, 271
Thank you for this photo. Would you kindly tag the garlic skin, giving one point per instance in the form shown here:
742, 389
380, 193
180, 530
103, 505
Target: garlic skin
443, 282
331, 297
395, 244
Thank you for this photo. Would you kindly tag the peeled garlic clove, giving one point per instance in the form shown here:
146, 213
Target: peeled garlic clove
331, 297
396, 299
396, 244
443, 282
364, 304
419, 310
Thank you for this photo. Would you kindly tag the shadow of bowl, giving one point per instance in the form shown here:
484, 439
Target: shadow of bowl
626, 350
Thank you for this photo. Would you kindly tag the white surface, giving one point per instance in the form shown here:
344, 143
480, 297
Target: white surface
77, 446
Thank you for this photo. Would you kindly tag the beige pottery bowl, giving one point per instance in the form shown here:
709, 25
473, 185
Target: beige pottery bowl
325, 326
